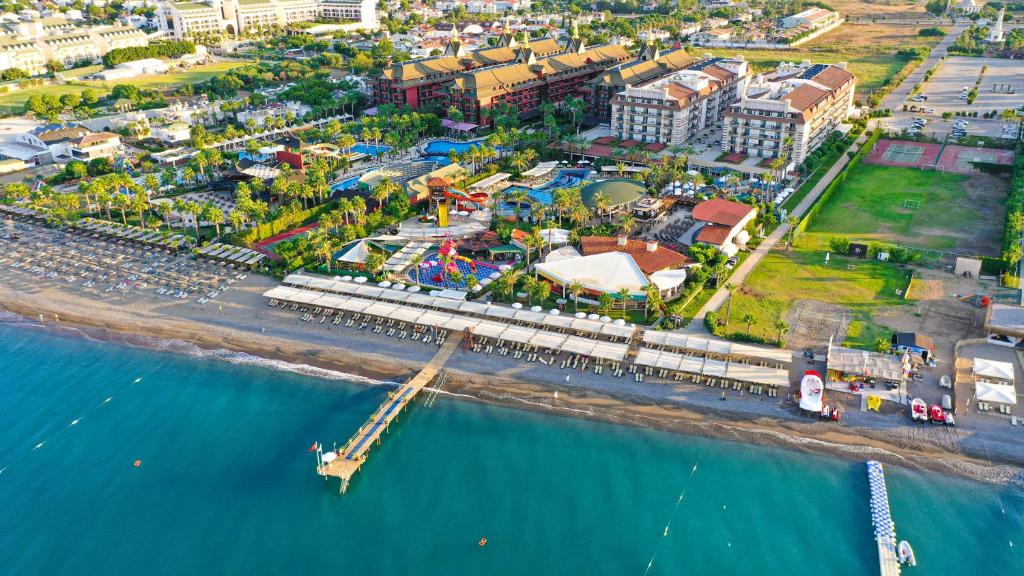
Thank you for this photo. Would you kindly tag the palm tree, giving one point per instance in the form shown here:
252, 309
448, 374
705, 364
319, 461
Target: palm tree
601, 201
623, 295
165, 209
213, 215
416, 261
575, 288
529, 286
793, 222
627, 222
729, 287
750, 320
653, 298
782, 327
383, 190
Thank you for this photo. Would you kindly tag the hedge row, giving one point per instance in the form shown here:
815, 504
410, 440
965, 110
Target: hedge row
171, 49
281, 224
1014, 214
837, 182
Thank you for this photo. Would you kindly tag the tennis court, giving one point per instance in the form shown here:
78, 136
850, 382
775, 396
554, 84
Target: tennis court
903, 154
958, 159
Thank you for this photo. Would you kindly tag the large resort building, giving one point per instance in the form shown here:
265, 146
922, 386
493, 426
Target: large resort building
673, 109
28, 45
190, 19
522, 74
788, 112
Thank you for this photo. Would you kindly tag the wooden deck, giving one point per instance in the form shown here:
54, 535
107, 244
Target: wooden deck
354, 453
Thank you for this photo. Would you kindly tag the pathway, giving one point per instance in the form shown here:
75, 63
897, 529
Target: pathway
747, 266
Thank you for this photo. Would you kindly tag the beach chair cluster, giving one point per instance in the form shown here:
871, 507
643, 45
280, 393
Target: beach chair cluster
234, 256
96, 228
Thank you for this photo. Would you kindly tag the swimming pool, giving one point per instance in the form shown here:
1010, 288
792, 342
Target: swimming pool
345, 184
438, 150
430, 273
566, 178
370, 149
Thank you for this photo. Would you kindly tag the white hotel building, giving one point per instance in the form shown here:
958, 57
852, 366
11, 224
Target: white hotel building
671, 110
29, 44
790, 111
185, 19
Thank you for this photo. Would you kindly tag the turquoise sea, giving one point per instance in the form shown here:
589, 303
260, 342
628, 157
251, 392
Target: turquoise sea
226, 486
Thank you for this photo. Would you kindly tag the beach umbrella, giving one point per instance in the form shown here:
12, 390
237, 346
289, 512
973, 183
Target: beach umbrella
535, 308
435, 292
384, 283
605, 319
485, 281
414, 288
494, 275
581, 314
592, 317
360, 280
504, 267
619, 322
337, 277
517, 305
554, 312
398, 286
477, 288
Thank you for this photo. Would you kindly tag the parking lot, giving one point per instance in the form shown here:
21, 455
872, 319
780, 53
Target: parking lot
1001, 87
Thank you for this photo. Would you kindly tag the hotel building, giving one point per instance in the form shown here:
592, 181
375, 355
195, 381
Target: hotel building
187, 19
671, 110
29, 45
788, 112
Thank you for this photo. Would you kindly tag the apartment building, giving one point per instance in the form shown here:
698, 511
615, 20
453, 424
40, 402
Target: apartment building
651, 65
673, 109
29, 45
788, 112
186, 19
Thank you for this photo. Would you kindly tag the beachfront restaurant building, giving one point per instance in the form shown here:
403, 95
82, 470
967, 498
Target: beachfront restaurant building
851, 365
994, 386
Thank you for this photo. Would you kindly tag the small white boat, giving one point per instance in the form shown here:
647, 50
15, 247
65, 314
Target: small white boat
811, 392
906, 553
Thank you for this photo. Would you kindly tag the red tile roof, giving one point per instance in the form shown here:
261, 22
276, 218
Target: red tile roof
712, 234
649, 261
719, 211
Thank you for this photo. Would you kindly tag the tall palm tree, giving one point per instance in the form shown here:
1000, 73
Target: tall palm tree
416, 261
627, 222
623, 295
601, 201
729, 287
782, 327
750, 320
575, 288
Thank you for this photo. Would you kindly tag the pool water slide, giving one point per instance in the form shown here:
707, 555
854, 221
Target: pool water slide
462, 197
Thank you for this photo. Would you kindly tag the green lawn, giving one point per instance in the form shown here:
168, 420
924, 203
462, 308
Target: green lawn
172, 79
784, 277
906, 206
14, 102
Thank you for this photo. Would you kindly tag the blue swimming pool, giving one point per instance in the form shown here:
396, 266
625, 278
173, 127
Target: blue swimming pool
438, 150
345, 184
565, 179
370, 149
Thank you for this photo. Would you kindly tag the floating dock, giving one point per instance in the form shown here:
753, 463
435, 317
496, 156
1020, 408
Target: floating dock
881, 518
351, 457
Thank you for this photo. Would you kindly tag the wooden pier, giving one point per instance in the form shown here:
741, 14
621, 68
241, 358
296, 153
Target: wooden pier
352, 455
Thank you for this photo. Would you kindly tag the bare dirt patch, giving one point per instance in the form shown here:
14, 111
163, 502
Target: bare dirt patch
813, 322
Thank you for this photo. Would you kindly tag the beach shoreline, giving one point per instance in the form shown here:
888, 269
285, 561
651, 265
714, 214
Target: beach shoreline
77, 315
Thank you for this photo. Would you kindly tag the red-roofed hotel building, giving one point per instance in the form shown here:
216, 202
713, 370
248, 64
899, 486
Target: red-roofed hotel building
673, 109
802, 102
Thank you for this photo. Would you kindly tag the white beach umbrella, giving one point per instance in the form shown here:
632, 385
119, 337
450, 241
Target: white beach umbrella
398, 286
414, 288
619, 322
581, 314
495, 275
535, 308
605, 319
360, 280
554, 312
384, 283
346, 278
592, 316
517, 305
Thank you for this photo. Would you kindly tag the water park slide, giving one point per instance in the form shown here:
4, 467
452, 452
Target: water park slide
479, 198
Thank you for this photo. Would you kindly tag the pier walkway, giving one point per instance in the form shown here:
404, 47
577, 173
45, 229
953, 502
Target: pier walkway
351, 457
881, 518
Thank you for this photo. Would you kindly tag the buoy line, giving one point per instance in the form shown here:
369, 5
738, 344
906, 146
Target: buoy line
679, 500
69, 425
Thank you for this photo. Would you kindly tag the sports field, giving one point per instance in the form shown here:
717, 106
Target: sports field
948, 158
914, 207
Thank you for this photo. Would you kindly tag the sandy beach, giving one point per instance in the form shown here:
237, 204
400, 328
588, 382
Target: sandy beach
239, 327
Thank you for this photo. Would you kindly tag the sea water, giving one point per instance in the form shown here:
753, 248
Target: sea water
224, 484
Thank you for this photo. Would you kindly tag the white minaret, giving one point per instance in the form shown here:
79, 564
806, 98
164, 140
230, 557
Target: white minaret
996, 33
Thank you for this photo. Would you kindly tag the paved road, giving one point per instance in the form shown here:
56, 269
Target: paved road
895, 98
747, 266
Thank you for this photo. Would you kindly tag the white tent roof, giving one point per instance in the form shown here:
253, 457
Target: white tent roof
668, 279
355, 253
557, 236
608, 272
563, 253
1001, 393
993, 369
